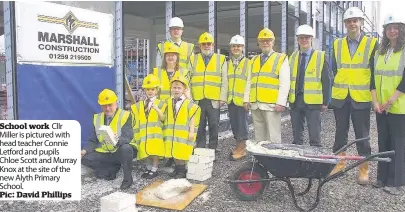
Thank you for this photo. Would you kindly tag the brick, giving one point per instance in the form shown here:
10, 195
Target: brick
201, 165
198, 177
195, 170
131, 208
200, 159
204, 152
117, 201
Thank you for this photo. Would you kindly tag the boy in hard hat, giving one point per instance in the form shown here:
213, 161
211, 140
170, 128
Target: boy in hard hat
310, 87
180, 126
148, 126
239, 75
209, 87
106, 159
352, 65
270, 85
185, 49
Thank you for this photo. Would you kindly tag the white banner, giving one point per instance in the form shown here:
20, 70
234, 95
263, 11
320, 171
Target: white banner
59, 34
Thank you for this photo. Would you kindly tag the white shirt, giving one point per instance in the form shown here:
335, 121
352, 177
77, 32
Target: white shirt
150, 102
179, 103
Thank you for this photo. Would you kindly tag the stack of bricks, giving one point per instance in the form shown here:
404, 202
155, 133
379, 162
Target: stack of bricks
118, 202
200, 164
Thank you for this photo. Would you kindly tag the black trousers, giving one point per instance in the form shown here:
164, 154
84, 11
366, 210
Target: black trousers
391, 136
210, 114
361, 125
110, 163
238, 118
298, 114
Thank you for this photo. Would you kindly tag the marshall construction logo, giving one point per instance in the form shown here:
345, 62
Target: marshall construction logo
70, 22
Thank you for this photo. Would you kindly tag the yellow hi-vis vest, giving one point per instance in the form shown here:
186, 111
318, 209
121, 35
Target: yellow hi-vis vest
353, 74
148, 132
177, 127
312, 79
165, 91
206, 81
119, 119
387, 77
265, 80
237, 81
185, 51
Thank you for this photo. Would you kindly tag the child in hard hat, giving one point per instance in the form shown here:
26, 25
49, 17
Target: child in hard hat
181, 124
149, 117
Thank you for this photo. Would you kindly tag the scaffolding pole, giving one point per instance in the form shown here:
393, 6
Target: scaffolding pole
321, 23
212, 21
119, 53
243, 24
267, 14
309, 13
11, 59
284, 27
169, 15
297, 9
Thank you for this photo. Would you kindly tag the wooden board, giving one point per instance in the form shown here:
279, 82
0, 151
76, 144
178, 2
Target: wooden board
145, 197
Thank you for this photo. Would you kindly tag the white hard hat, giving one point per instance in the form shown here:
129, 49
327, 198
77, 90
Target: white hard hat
353, 12
392, 19
176, 22
305, 30
237, 39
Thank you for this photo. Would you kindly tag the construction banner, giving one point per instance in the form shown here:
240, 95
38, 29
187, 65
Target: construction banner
58, 34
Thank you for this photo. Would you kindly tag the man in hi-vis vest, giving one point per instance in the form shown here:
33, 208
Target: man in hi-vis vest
353, 56
185, 49
310, 87
104, 158
209, 87
238, 95
270, 85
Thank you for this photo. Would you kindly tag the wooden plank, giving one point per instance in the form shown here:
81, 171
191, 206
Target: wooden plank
128, 90
146, 197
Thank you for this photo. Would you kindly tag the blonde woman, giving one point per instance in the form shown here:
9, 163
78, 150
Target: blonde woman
388, 96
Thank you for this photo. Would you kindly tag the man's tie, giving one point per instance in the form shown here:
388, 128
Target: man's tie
301, 73
108, 121
175, 100
263, 59
145, 107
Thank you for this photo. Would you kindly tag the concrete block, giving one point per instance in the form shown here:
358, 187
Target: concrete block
200, 159
196, 170
198, 177
117, 201
204, 152
131, 208
201, 165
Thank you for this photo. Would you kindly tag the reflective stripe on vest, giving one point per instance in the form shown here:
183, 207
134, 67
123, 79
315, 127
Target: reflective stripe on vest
388, 75
206, 81
165, 91
312, 79
353, 74
119, 119
176, 130
265, 80
237, 81
185, 50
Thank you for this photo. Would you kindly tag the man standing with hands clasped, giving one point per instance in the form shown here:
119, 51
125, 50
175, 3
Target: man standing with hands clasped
310, 87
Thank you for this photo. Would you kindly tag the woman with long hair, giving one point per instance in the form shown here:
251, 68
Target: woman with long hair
387, 90
169, 68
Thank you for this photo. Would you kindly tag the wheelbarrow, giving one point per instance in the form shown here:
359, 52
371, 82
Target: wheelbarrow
313, 163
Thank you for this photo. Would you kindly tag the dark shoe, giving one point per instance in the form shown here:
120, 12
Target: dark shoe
174, 173
181, 172
169, 162
378, 184
98, 175
151, 175
126, 184
111, 177
146, 173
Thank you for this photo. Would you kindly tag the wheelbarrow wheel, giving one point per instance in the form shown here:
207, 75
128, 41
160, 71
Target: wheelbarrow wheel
249, 191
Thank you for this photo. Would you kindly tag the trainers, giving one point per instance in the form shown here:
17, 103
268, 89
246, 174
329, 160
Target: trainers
151, 175
145, 174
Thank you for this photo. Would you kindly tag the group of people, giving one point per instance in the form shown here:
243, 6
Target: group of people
187, 89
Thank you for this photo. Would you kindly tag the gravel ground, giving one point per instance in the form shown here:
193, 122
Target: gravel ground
342, 194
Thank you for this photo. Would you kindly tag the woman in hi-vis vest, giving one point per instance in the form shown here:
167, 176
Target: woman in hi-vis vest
389, 104
169, 68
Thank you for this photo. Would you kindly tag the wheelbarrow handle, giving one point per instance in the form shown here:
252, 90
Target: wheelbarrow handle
347, 157
351, 143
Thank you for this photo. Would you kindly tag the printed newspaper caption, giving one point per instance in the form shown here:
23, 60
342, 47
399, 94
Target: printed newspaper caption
40, 160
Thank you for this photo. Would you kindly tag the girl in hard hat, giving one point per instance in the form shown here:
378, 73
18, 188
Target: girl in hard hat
170, 68
148, 121
387, 91
180, 126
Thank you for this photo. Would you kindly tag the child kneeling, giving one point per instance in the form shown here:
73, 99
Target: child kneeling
149, 117
181, 123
